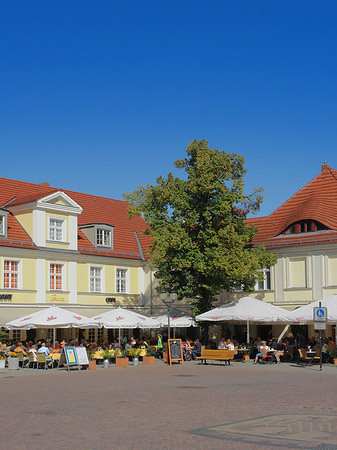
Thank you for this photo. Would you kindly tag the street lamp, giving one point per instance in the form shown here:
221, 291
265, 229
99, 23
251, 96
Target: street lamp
168, 298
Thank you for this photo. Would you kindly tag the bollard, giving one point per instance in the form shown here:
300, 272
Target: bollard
106, 364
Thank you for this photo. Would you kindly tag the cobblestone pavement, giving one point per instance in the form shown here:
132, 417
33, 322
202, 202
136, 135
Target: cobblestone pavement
242, 406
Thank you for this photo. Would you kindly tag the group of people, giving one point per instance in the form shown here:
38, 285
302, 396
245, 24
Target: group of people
290, 347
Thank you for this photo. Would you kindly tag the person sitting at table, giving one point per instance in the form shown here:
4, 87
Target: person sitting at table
196, 349
19, 348
222, 344
44, 349
265, 347
325, 351
229, 345
57, 348
280, 349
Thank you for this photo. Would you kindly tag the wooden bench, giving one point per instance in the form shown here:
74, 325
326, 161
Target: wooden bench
217, 355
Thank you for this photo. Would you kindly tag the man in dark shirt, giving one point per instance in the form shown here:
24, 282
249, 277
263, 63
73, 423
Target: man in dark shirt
196, 349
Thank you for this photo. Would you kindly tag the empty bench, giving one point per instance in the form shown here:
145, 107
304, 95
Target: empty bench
217, 355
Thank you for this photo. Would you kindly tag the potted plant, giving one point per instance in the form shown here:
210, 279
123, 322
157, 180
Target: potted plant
122, 359
2, 360
149, 359
134, 354
92, 360
333, 354
245, 350
107, 356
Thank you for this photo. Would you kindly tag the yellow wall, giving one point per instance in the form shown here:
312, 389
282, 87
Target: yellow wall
26, 221
297, 273
28, 273
133, 280
332, 270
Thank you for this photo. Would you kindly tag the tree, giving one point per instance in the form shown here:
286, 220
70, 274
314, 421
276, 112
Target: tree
200, 241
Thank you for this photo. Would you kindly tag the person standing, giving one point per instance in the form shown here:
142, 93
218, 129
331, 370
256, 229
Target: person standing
159, 351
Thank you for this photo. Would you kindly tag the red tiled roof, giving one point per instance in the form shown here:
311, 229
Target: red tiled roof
317, 201
17, 236
95, 210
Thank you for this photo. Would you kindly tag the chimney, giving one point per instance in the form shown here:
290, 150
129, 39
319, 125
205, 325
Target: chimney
324, 166
45, 183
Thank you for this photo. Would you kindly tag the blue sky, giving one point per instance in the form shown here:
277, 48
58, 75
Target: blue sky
101, 97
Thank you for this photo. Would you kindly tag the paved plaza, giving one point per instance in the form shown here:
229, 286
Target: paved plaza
242, 406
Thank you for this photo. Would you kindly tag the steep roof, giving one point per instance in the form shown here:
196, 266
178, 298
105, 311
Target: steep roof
95, 210
316, 201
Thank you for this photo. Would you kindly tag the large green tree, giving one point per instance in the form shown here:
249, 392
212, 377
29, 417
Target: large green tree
200, 241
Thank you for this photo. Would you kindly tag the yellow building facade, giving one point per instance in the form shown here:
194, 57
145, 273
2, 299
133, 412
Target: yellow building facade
54, 251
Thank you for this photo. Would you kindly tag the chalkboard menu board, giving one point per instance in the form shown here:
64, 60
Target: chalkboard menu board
175, 352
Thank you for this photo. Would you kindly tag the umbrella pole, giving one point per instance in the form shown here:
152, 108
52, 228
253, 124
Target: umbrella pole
54, 335
248, 337
119, 337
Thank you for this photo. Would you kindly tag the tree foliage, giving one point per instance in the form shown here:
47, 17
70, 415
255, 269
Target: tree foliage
200, 241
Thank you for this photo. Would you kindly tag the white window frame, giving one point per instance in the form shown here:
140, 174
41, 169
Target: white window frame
63, 229
297, 258
3, 225
265, 271
19, 273
127, 280
102, 278
104, 231
63, 274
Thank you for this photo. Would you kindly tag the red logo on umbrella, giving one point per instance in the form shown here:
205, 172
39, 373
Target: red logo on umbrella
119, 318
51, 318
25, 319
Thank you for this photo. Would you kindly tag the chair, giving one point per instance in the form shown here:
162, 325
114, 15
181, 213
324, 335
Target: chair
19, 355
31, 359
41, 359
303, 356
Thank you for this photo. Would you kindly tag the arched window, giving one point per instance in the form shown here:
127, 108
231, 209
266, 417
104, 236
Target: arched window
305, 226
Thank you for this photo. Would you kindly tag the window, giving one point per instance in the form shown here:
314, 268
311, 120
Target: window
264, 285
2, 225
11, 274
96, 279
103, 237
55, 229
56, 277
16, 335
305, 226
121, 281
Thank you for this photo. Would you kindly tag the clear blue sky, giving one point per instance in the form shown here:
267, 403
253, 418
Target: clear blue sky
101, 97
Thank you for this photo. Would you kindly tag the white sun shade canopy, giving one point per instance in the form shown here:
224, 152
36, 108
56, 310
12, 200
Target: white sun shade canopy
245, 309
121, 318
306, 313
178, 319
52, 317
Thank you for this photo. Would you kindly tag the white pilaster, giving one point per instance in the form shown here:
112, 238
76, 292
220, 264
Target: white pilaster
40, 281
72, 281
39, 227
72, 232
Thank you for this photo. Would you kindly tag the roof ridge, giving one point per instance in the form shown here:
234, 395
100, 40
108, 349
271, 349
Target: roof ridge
301, 190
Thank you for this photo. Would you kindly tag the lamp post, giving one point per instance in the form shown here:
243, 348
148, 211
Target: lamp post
168, 298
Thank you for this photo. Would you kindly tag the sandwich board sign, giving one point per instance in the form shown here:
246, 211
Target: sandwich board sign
69, 358
82, 356
175, 352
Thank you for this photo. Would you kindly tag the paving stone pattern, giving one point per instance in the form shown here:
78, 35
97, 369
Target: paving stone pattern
242, 406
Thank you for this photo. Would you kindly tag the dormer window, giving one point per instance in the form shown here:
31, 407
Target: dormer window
305, 226
3, 225
103, 237
99, 234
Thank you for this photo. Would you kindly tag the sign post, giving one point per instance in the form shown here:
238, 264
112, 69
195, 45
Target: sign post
320, 318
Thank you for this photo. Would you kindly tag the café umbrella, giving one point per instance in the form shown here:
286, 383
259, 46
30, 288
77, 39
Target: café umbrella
119, 318
305, 314
52, 317
178, 319
245, 309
